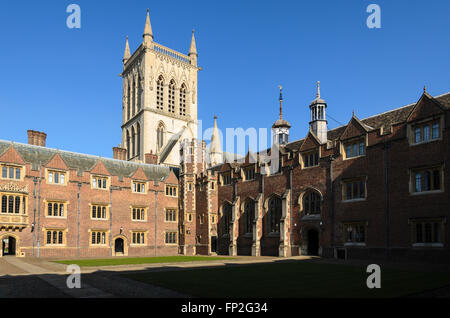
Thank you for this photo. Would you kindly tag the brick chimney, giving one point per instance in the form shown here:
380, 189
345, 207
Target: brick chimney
36, 138
119, 153
151, 158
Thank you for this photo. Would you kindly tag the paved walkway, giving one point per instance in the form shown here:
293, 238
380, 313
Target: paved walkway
94, 284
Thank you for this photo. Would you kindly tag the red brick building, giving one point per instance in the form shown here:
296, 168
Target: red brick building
61, 204
376, 187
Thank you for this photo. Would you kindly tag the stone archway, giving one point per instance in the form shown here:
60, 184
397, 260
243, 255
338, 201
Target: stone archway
120, 246
9, 245
312, 241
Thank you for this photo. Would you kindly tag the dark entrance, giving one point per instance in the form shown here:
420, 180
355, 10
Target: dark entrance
313, 242
118, 245
213, 244
9, 246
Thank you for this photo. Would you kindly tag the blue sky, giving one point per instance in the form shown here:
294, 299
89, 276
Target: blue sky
65, 82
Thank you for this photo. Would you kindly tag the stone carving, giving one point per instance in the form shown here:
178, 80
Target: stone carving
13, 187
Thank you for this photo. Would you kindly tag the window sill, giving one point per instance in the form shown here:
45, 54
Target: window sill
356, 157
412, 144
141, 221
56, 217
428, 245
273, 234
310, 167
354, 244
354, 200
99, 219
137, 245
427, 192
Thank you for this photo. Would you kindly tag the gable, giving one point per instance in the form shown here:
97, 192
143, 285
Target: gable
354, 129
139, 174
225, 167
172, 178
310, 142
425, 107
12, 156
57, 163
100, 168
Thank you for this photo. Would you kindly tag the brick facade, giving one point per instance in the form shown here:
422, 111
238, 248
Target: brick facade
387, 218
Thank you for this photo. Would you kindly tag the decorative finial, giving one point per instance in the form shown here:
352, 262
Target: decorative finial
281, 101
215, 117
318, 89
424, 88
353, 113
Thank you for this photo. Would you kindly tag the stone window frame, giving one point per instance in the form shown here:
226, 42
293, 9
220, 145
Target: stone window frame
97, 205
166, 211
246, 170
64, 203
413, 222
23, 209
308, 153
139, 182
141, 233
60, 172
346, 181
8, 166
169, 188
64, 231
410, 129
96, 177
412, 179
144, 211
166, 237
364, 139
354, 241
101, 231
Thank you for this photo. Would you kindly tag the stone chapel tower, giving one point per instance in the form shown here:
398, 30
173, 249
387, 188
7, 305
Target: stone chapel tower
159, 99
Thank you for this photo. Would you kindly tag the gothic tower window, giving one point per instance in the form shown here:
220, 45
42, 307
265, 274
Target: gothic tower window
128, 145
311, 203
249, 216
226, 219
133, 143
128, 101
134, 99
183, 100
172, 96
160, 136
139, 94
160, 93
274, 215
138, 140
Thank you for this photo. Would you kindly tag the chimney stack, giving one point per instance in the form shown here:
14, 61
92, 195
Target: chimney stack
119, 153
36, 138
151, 158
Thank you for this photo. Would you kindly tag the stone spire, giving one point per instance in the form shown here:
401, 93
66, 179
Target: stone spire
281, 102
318, 89
215, 149
127, 54
148, 34
193, 49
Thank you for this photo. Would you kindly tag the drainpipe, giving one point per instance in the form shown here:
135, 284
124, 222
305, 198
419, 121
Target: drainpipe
110, 221
291, 227
156, 217
39, 210
331, 204
34, 212
78, 220
386, 147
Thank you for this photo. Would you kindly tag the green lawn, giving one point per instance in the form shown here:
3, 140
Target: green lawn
293, 279
138, 260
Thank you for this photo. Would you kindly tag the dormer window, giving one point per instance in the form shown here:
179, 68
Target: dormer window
99, 182
226, 179
56, 177
311, 159
355, 149
139, 187
426, 132
11, 172
249, 173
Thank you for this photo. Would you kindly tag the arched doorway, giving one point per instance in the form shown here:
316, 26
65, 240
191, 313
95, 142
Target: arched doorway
9, 246
313, 242
120, 246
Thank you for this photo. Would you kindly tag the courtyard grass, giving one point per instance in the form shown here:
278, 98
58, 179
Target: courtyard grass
293, 280
138, 260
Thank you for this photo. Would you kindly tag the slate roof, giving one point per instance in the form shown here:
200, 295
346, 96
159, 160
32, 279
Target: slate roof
82, 162
385, 119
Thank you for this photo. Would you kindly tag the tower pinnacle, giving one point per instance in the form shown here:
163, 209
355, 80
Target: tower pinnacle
193, 49
127, 53
148, 34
